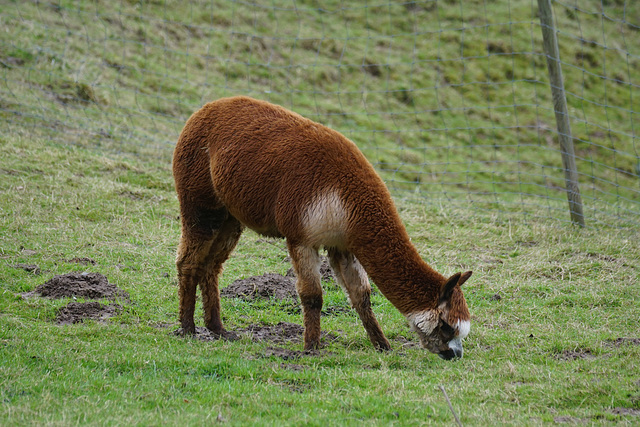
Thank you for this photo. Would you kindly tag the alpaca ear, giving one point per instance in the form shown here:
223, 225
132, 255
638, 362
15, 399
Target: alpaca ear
456, 279
464, 277
447, 289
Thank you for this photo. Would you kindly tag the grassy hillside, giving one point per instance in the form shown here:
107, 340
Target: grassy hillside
554, 333
448, 99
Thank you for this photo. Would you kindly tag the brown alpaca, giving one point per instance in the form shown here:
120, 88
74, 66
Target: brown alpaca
243, 162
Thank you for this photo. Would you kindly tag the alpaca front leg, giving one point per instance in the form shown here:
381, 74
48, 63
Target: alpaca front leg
353, 279
306, 263
311, 307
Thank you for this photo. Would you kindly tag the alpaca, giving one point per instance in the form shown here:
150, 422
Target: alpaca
241, 162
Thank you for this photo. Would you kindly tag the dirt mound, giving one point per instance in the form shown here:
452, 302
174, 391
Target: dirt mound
83, 285
266, 286
280, 333
76, 312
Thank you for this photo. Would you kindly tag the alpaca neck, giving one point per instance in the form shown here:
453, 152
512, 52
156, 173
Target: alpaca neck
394, 265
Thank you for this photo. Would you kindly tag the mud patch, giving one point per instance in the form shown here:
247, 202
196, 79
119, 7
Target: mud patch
204, 334
619, 342
82, 261
566, 419
285, 354
77, 312
585, 354
281, 333
79, 285
292, 366
29, 268
626, 411
267, 286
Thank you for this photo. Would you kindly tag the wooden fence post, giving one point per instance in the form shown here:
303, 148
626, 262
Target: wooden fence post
562, 114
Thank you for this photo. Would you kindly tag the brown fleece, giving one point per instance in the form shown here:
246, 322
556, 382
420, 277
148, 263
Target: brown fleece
243, 161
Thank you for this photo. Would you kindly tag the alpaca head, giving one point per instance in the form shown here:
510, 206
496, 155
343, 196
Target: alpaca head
442, 329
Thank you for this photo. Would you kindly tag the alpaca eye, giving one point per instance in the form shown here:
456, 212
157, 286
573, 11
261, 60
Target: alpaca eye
447, 330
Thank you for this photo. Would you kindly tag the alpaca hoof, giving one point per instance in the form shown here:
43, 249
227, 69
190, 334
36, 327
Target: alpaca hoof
383, 346
184, 332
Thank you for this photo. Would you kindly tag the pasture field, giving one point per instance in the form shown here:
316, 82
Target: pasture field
451, 102
447, 98
554, 336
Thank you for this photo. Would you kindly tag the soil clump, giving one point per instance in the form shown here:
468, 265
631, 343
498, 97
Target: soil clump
77, 312
79, 285
92, 286
267, 286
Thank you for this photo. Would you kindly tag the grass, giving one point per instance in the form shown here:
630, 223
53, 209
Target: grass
548, 307
451, 103
448, 99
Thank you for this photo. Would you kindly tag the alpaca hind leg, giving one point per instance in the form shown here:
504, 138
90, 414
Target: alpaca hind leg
221, 247
353, 279
306, 263
199, 229
190, 262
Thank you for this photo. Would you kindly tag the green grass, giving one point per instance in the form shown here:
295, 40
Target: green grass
544, 350
445, 99
449, 98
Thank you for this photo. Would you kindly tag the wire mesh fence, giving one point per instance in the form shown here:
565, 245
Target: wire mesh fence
450, 99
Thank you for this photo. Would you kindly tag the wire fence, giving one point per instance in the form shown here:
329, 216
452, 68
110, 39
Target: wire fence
450, 99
